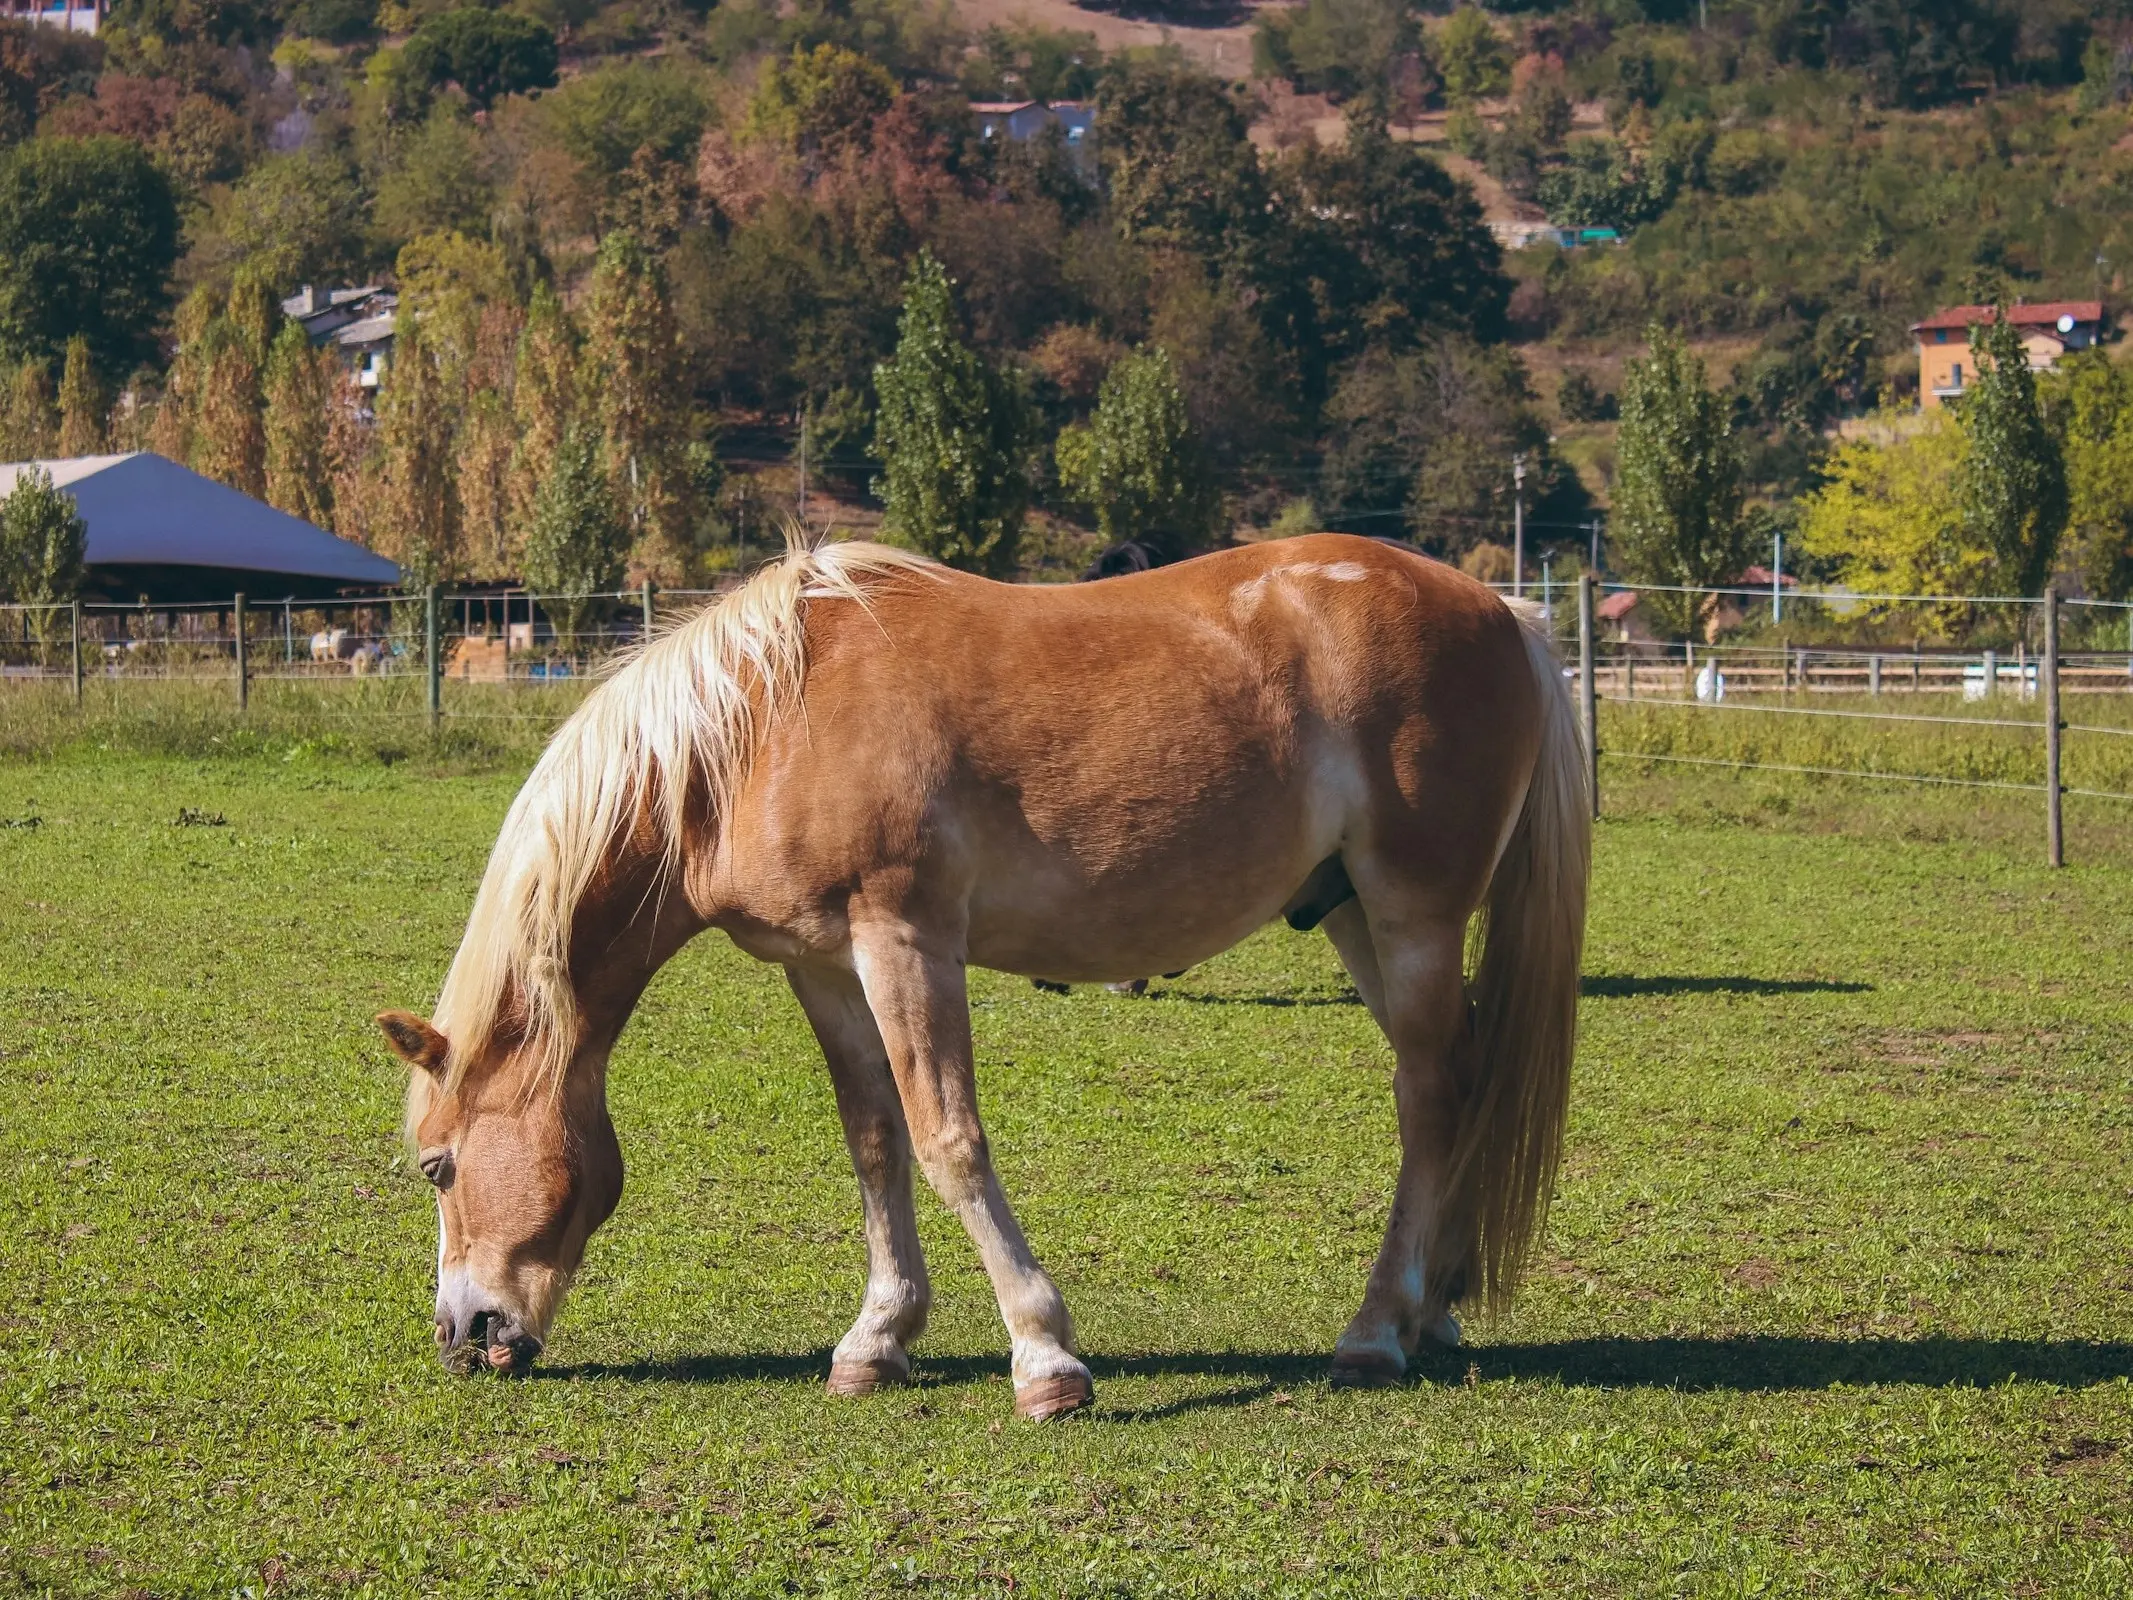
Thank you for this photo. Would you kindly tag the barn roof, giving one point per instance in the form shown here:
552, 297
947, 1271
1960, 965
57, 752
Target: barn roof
144, 511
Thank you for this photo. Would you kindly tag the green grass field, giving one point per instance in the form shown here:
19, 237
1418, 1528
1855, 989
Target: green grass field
1837, 1299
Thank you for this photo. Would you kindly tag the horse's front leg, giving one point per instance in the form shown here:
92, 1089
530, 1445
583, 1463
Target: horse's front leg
920, 1002
876, 1349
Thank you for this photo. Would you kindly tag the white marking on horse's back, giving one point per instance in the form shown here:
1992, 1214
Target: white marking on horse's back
1246, 597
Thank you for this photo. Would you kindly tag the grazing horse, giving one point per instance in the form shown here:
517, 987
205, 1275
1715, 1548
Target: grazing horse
876, 773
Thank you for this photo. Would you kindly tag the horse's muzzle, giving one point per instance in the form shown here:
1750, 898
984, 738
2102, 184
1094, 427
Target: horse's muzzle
490, 1341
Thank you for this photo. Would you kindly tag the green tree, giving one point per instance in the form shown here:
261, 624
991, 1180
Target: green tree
88, 236
299, 393
952, 433
42, 543
1678, 515
416, 516
1181, 170
300, 218
2091, 400
1471, 57
2014, 478
439, 179
1429, 435
489, 54
820, 102
82, 403
642, 400
1888, 516
1138, 462
578, 545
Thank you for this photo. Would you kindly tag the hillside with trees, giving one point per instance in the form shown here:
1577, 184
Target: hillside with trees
647, 256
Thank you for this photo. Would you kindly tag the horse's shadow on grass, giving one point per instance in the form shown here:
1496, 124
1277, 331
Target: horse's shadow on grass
1742, 1363
1596, 986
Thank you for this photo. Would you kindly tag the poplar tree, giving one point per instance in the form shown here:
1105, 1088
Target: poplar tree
351, 459
633, 370
2014, 493
229, 440
484, 454
1138, 463
544, 400
578, 544
417, 520
82, 406
172, 434
1678, 511
27, 423
952, 435
254, 316
299, 398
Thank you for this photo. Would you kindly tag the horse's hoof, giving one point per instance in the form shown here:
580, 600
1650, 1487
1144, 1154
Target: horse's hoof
864, 1377
1364, 1369
1046, 1398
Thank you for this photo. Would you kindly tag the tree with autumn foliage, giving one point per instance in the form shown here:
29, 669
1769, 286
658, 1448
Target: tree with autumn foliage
299, 400
641, 399
416, 514
82, 403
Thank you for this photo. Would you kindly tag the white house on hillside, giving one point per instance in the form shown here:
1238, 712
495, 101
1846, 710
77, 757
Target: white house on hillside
358, 323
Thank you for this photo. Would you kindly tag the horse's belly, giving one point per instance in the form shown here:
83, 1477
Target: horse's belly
1119, 894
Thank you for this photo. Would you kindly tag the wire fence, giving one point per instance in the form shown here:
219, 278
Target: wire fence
1982, 712
431, 640
1958, 714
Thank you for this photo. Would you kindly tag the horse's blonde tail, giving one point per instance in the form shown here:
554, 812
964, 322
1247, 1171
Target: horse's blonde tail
1524, 993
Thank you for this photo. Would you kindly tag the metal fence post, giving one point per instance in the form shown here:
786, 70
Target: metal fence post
1992, 673
74, 611
2054, 825
433, 655
244, 674
1588, 691
1873, 675
645, 595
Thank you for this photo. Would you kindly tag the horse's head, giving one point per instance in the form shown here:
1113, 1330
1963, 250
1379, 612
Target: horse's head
523, 1176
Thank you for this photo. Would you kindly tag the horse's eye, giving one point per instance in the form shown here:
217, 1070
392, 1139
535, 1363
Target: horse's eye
438, 1165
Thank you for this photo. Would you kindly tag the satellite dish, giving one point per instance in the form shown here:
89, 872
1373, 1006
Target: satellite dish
2066, 322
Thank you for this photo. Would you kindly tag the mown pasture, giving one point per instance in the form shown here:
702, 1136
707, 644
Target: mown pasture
1837, 1298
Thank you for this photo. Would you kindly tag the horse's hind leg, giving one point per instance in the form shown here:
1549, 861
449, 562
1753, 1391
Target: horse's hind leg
920, 1001
1409, 974
874, 1352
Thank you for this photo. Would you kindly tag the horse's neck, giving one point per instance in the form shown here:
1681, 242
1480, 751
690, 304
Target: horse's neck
630, 923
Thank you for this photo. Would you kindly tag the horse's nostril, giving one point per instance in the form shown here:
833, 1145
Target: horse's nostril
443, 1331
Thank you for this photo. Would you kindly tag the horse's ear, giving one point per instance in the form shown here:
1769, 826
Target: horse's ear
415, 1041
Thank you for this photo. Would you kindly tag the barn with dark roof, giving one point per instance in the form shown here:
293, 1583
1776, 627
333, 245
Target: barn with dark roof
162, 530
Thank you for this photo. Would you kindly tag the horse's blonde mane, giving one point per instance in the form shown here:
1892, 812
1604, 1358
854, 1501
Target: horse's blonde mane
683, 714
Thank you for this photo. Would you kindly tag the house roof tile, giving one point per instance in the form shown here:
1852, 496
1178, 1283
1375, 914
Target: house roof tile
2042, 313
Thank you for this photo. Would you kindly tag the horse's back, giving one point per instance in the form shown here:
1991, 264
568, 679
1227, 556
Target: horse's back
1170, 750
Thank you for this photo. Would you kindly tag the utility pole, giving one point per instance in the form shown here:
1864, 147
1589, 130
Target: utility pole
1777, 576
1518, 524
1594, 528
803, 466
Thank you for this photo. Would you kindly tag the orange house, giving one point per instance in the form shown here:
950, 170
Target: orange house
2049, 329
